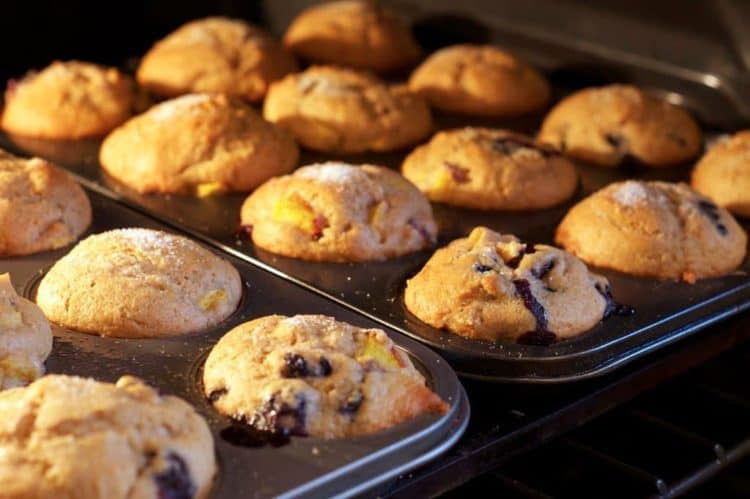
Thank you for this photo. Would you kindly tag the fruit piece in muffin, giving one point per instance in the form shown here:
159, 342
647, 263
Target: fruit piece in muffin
313, 375
495, 287
339, 212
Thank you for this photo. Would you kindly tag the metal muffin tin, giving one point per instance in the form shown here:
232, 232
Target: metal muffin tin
304, 466
665, 311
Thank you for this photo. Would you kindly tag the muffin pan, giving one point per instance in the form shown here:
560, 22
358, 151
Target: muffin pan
665, 311
300, 466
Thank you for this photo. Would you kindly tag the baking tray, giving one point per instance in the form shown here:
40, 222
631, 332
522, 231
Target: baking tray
301, 467
665, 311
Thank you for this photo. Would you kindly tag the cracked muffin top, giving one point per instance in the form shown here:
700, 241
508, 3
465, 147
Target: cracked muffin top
355, 33
339, 212
139, 283
339, 110
480, 80
607, 125
313, 375
65, 436
69, 100
41, 207
496, 287
216, 55
490, 169
197, 144
654, 229
25, 338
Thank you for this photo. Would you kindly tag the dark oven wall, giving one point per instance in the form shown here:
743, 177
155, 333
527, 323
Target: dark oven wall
34, 32
701, 34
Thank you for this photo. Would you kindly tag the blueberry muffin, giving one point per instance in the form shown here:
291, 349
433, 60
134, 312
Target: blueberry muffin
313, 375
360, 34
606, 125
480, 80
65, 436
343, 111
496, 287
339, 212
41, 207
723, 174
490, 170
25, 338
68, 100
197, 144
216, 55
654, 229
139, 283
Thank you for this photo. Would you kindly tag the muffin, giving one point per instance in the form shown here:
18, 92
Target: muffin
313, 375
139, 283
65, 436
342, 111
480, 80
490, 170
723, 174
25, 338
41, 207
496, 287
339, 212
197, 144
607, 125
359, 34
68, 100
653, 229
216, 55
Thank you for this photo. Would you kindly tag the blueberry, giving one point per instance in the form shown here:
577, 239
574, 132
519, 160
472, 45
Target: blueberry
295, 366
276, 416
217, 394
612, 307
509, 145
542, 271
352, 403
324, 367
711, 211
526, 249
481, 268
523, 288
175, 482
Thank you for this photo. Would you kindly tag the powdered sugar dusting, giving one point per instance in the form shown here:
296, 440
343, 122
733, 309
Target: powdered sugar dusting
59, 68
128, 249
168, 110
323, 84
198, 33
296, 321
331, 172
147, 239
630, 193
